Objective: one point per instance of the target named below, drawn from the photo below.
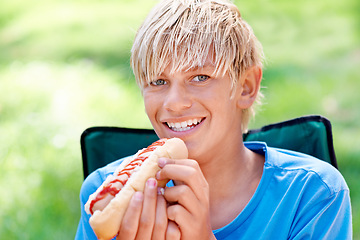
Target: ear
(248, 87)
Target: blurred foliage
(64, 66)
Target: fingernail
(157, 176)
(161, 162)
(151, 182)
(160, 191)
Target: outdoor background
(64, 66)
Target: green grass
(64, 66)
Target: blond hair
(184, 33)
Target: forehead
(206, 67)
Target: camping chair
(308, 134)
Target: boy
(199, 67)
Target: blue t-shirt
(298, 197)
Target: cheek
(151, 104)
(147, 104)
(223, 100)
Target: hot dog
(110, 201)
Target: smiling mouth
(185, 125)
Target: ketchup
(127, 170)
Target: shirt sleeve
(89, 186)
(328, 219)
(91, 183)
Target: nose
(177, 98)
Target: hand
(146, 216)
(189, 200)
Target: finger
(186, 162)
(183, 164)
(187, 223)
(179, 215)
(177, 170)
(130, 223)
(161, 220)
(184, 196)
(173, 231)
(189, 175)
(147, 217)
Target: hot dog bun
(106, 222)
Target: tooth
(189, 122)
(177, 125)
(183, 124)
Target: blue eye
(158, 82)
(200, 78)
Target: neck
(223, 164)
(233, 178)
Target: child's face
(195, 106)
